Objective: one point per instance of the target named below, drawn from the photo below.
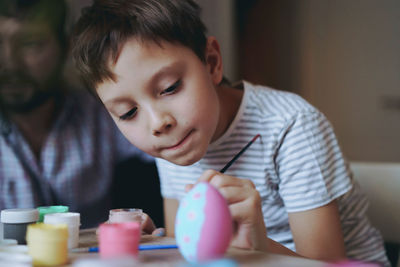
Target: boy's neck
(230, 99)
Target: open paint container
(16, 221)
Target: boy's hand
(245, 206)
(148, 226)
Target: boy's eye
(172, 88)
(130, 114)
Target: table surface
(172, 257)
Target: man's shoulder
(82, 98)
(81, 105)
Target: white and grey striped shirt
(296, 165)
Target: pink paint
(192, 215)
(186, 239)
(119, 239)
(216, 228)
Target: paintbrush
(238, 154)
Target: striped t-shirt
(296, 165)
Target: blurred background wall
(342, 56)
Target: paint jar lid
(42, 231)
(8, 242)
(14, 248)
(19, 215)
(125, 215)
(15, 256)
(69, 218)
(50, 209)
(126, 210)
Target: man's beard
(21, 94)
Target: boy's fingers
(218, 179)
(158, 232)
(148, 225)
(207, 176)
(188, 187)
(221, 180)
(234, 194)
(242, 212)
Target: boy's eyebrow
(119, 99)
(163, 71)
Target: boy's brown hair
(105, 26)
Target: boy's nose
(161, 123)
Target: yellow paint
(48, 244)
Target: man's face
(30, 58)
(164, 100)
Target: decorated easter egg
(203, 226)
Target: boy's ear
(214, 60)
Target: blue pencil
(141, 247)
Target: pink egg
(203, 225)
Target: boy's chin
(183, 161)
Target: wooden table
(172, 257)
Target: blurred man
(57, 146)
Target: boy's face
(30, 58)
(164, 100)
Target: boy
(159, 77)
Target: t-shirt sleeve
(310, 165)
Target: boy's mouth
(182, 142)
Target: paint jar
(50, 209)
(48, 244)
(8, 242)
(119, 239)
(125, 215)
(16, 221)
(72, 220)
(126, 261)
(14, 255)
